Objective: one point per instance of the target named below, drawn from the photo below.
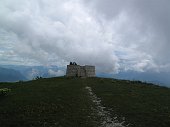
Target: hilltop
(84, 102)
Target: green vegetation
(4, 91)
(142, 105)
(64, 102)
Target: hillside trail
(105, 117)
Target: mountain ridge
(10, 75)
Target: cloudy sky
(113, 35)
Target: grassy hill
(76, 102)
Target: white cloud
(56, 73)
(110, 34)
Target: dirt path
(105, 116)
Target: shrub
(4, 91)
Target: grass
(64, 102)
(4, 91)
(143, 105)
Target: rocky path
(105, 117)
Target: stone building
(74, 70)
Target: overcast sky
(113, 35)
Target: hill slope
(91, 102)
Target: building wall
(73, 70)
(80, 71)
(90, 71)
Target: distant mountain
(31, 72)
(161, 78)
(10, 75)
